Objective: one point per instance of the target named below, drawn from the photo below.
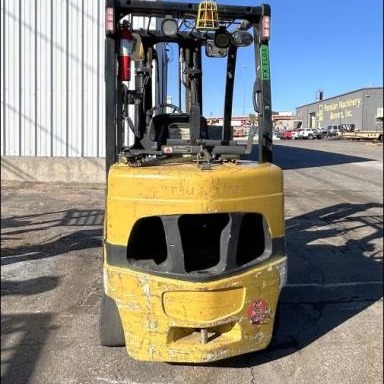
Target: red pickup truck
(287, 135)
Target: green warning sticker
(264, 61)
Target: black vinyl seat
(175, 126)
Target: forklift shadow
(287, 157)
(66, 230)
(16, 225)
(334, 272)
(24, 335)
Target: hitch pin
(204, 335)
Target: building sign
(339, 110)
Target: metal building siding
(27, 79)
(358, 107)
(373, 102)
(43, 77)
(2, 67)
(52, 78)
(10, 102)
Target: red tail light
(265, 28)
(109, 20)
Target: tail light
(265, 28)
(109, 20)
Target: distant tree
(252, 119)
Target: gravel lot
(332, 309)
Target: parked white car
(296, 134)
(307, 133)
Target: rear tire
(111, 333)
(276, 322)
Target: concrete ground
(332, 310)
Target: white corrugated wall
(52, 80)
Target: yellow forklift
(194, 246)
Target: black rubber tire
(111, 333)
(276, 322)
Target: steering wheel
(174, 108)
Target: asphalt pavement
(331, 319)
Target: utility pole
(244, 66)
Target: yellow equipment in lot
(194, 248)
(362, 135)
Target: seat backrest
(174, 126)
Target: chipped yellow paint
(154, 333)
(134, 193)
(162, 317)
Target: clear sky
(332, 45)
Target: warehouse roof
(341, 95)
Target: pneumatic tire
(111, 333)
(276, 322)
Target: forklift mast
(181, 23)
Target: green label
(264, 61)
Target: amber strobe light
(207, 16)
